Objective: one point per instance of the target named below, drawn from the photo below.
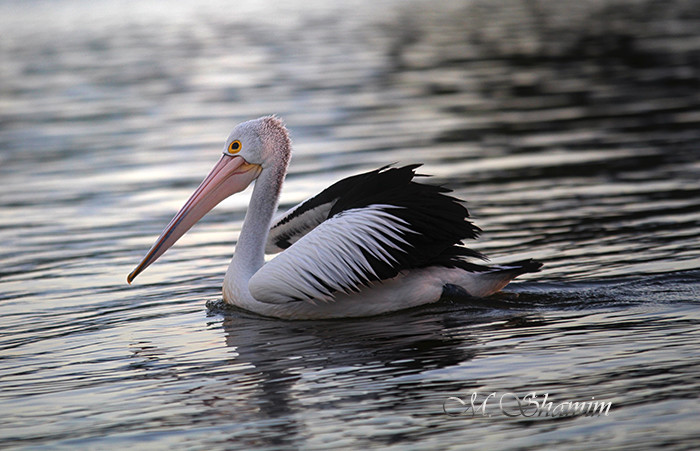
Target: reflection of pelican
(287, 391)
(373, 243)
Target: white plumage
(369, 244)
(332, 258)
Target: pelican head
(251, 147)
(260, 141)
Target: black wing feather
(438, 221)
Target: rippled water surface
(572, 129)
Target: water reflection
(329, 366)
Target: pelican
(372, 243)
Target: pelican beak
(231, 174)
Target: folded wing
(363, 229)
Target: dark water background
(572, 128)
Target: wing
(304, 217)
(298, 221)
(384, 225)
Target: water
(571, 129)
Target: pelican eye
(234, 147)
